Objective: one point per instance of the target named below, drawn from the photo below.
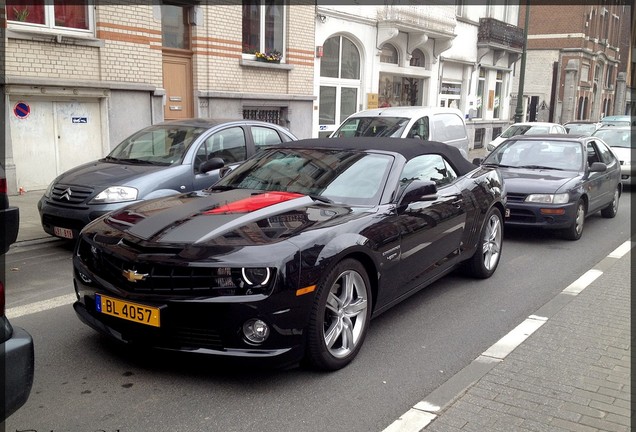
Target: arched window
(389, 54)
(339, 82)
(418, 59)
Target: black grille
(516, 197)
(521, 215)
(70, 195)
(162, 276)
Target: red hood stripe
(255, 202)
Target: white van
(428, 123)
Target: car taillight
(1, 299)
(3, 186)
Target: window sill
(265, 65)
(54, 37)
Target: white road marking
(581, 283)
(40, 306)
(620, 251)
(512, 340)
(411, 421)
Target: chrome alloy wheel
(491, 245)
(579, 220)
(345, 314)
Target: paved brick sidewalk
(572, 374)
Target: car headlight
(47, 192)
(490, 147)
(562, 198)
(115, 194)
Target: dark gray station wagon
(160, 160)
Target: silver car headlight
(47, 192)
(562, 198)
(115, 194)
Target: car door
(430, 230)
(611, 177)
(229, 144)
(596, 182)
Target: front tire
(340, 316)
(575, 231)
(484, 261)
(612, 209)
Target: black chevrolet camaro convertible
(290, 255)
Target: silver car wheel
(345, 313)
(492, 242)
(580, 218)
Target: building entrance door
(177, 61)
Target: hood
(100, 174)
(535, 181)
(231, 218)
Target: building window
(389, 54)
(459, 8)
(417, 59)
(498, 86)
(174, 31)
(479, 137)
(481, 89)
(270, 115)
(450, 95)
(263, 26)
(397, 90)
(585, 73)
(339, 82)
(66, 16)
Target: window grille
(479, 137)
(269, 115)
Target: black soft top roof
(407, 147)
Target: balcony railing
(492, 31)
(440, 19)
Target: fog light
(255, 331)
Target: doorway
(177, 61)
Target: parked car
(580, 127)
(164, 159)
(427, 123)
(527, 128)
(618, 120)
(292, 253)
(16, 344)
(619, 138)
(556, 181)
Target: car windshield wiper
(112, 159)
(142, 162)
(497, 165)
(220, 187)
(539, 167)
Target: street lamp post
(522, 74)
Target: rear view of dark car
(16, 345)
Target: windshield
(157, 145)
(616, 137)
(538, 154)
(524, 130)
(344, 176)
(580, 128)
(372, 127)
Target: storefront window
(397, 90)
(451, 95)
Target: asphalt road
(84, 383)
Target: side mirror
(477, 161)
(598, 167)
(418, 190)
(211, 164)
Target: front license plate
(139, 313)
(63, 232)
(507, 213)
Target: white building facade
(392, 55)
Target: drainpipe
(519, 110)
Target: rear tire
(340, 316)
(612, 209)
(574, 231)
(484, 261)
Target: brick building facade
(583, 38)
(79, 78)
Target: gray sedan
(159, 160)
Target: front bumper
(627, 174)
(206, 325)
(18, 362)
(71, 217)
(531, 215)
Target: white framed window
(72, 17)
(263, 27)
